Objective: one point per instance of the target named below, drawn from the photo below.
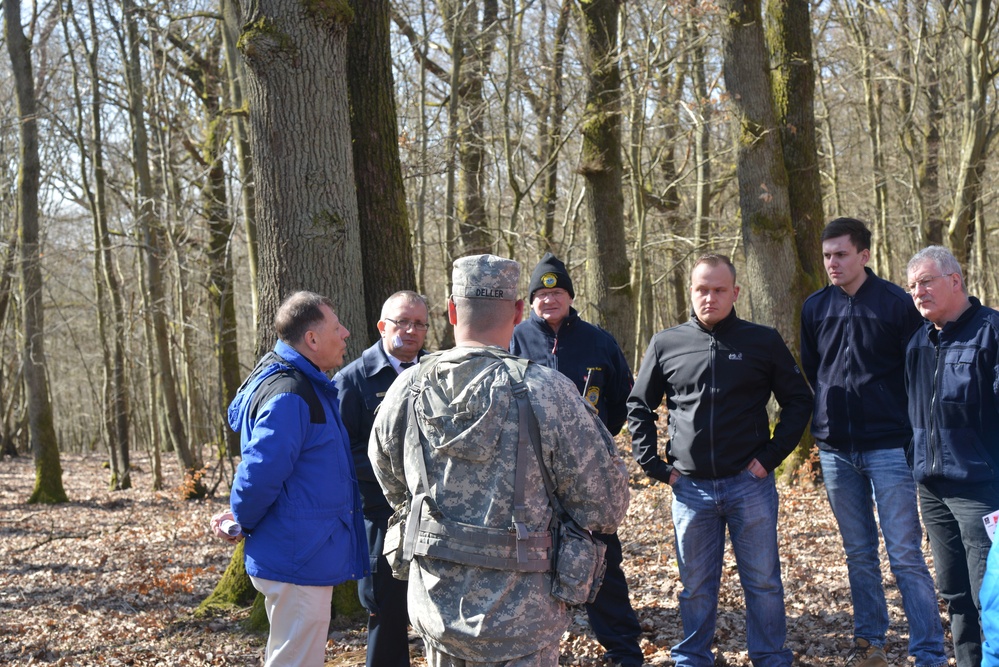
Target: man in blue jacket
(717, 373)
(555, 336)
(362, 384)
(952, 378)
(295, 493)
(853, 338)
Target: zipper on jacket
(931, 432)
(849, 370)
(713, 358)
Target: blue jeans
(851, 478)
(701, 510)
(952, 514)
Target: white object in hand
(231, 528)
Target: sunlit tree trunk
(151, 240)
(473, 40)
(608, 269)
(790, 43)
(977, 74)
(44, 444)
(106, 281)
(295, 57)
(771, 260)
(241, 139)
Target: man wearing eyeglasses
(362, 384)
(951, 379)
(555, 336)
(853, 337)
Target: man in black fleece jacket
(717, 373)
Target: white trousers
(300, 621)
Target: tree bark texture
(771, 261)
(241, 138)
(44, 444)
(296, 63)
(790, 42)
(473, 42)
(977, 76)
(608, 269)
(386, 241)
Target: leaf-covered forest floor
(112, 579)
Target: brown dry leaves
(112, 578)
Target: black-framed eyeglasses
(923, 282)
(405, 325)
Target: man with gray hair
(446, 443)
(953, 386)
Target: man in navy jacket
(362, 384)
(555, 336)
(853, 338)
(952, 378)
(295, 493)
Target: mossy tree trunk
(772, 264)
(295, 59)
(44, 444)
(386, 241)
(608, 269)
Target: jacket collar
(539, 322)
(375, 358)
(727, 323)
(950, 327)
(294, 358)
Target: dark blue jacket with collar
(294, 492)
(853, 354)
(717, 383)
(362, 384)
(584, 353)
(952, 376)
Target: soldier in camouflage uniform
(466, 430)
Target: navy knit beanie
(549, 274)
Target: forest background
(169, 171)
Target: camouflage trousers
(546, 657)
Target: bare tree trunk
(977, 75)
(44, 444)
(789, 25)
(551, 117)
(386, 242)
(771, 261)
(150, 238)
(472, 45)
(608, 270)
(307, 221)
(241, 138)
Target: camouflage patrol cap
(485, 277)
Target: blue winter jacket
(295, 493)
(584, 353)
(989, 598)
(853, 354)
(952, 377)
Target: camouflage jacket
(468, 419)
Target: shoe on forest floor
(863, 654)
